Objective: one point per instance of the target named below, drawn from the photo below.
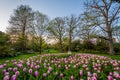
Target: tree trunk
(111, 48)
(110, 40)
(23, 40)
(69, 46)
(61, 48)
(40, 44)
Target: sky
(52, 8)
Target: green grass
(22, 56)
(51, 51)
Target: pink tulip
(24, 69)
(95, 75)
(19, 65)
(9, 69)
(89, 74)
(48, 72)
(72, 77)
(81, 72)
(17, 73)
(6, 73)
(110, 78)
(15, 69)
(13, 77)
(61, 75)
(50, 68)
(44, 74)
(6, 78)
(1, 66)
(30, 71)
(36, 73)
(89, 78)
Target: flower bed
(61, 67)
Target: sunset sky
(52, 8)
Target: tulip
(61, 75)
(89, 74)
(110, 78)
(15, 69)
(88, 78)
(9, 69)
(6, 78)
(30, 71)
(1, 66)
(56, 73)
(36, 73)
(50, 68)
(44, 74)
(95, 75)
(72, 77)
(24, 69)
(20, 65)
(17, 73)
(13, 77)
(6, 73)
(48, 72)
(81, 72)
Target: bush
(117, 47)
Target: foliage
(5, 48)
(40, 28)
(117, 47)
(20, 22)
(106, 14)
(75, 46)
(57, 30)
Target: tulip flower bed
(61, 67)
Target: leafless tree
(57, 29)
(108, 13)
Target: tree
(88, 29)
(72, 22)
(4, 43)
(107, 12)
(40, 27)
(20, 21)
(57, 29)
(116, 1)
(116, 32)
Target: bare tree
(116, 33)
(57, 29)
(116, 1)
(20, 21)
(40, 27)
(88, 28)
(108, 13)
(72, 24)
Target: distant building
(49, 40)
(14, 38)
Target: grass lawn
(23, 56)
